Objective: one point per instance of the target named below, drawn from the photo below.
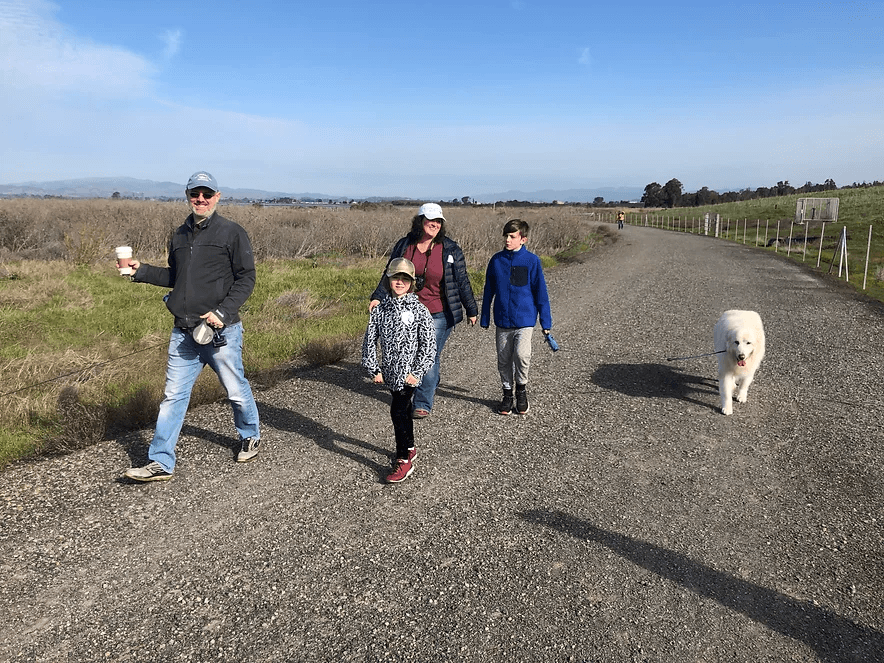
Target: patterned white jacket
(407, 336)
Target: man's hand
(473, 320)
(213, 320)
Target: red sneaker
(402, 469)
(411, 454)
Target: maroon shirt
(430, 266)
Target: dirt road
(622, 519)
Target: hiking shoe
(402, 469)
(420, 413)
(150, 472)
(506, 405)
(249, 450)
(521, 399)
(411, 454)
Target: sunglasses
(205, 194)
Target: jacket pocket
(519, 276)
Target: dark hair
(515, 225)
(417, 229)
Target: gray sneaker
(249, 450)
(150, 472)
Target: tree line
(672, 195)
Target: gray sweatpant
(513, 354)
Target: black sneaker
(521, 399)
(249, 450)
(150, 472)
(506, 405)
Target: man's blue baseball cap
(204, 179)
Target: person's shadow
(461, 394)
(834, 638)
(343, 374)
(324, 437)
(136, 445)
(655, 381)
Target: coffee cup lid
(203, 333)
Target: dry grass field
(83, 351)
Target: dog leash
(708, 354)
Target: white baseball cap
(431, 211)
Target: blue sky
(443, 99)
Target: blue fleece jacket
(514, 281)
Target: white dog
(740, 335)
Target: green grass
(108, 338)
(858, 209)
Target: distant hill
(610, 194)
(129, 187)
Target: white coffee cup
(124, 258)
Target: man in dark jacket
(211, 272)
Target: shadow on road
(459, 393)
(656, 381)
(833, 637)
(325, 438)
(346, 375)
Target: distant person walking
(442, 285)
(621, 217)
(404, 328)
(515, 284)
(211, 272)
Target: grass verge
(84, 350)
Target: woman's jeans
(185, 363)
(426, 392)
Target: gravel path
(622, 519)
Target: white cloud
(585, 57)
(172, 43)
(39, 56)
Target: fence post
(842, 258)
(868, 248)
(789, 248)
(804, 254)
(822, 237)
(776, 245)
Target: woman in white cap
(441, 283)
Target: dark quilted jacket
(458, 293)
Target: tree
(653, 195)
(116, 195)
(784, 189)
(598, 200)
(706, 197)
(672, 193)
(465, 200)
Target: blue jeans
(426, 392)
(185, 363)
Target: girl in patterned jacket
(407, 336)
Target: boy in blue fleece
(514, 282)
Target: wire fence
(843, 249)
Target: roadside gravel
(622, 519)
